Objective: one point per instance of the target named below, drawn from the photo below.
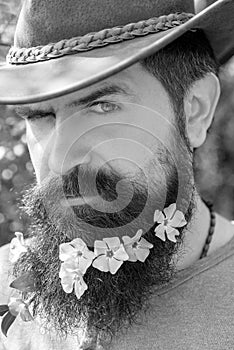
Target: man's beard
(112, 302)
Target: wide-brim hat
(62, 46)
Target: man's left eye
(102, 107)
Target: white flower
(17, 247)
(110, 254)
(19, 307)
(72, 277)
(78, 252)
(169, 219)
(137, 247)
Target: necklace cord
(211, 229)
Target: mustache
(109, 186)
(118, 203)
(102, 193)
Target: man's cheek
(38, 154)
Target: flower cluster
(108, 255)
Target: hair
(179, 65)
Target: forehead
(132, 83)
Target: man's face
(105, 159)
(123, 126)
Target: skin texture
(128, 135)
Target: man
(122, 252)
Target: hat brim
(35, 82)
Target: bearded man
(122, 252)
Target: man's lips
(77, 201)
(97, 203)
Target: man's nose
(67, 149)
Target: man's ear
(199, 105)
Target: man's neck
(196, 234)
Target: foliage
(15, 172)
(9, 10)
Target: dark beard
(112, 302)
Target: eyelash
(94, 104)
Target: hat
(62, 46)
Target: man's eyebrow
(101, 92)
(114, 89)
(26, 111)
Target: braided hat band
(96, 40)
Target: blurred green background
(215, 160)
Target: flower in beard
(72, 277)
(77, 251)
(169, 220)
(76, 259)
(110, 255)
(16, 307)
(19, 307)
(17, 247)
(137, 247)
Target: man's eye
(103, 107)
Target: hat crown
(45, 21)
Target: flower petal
(83, 264)
(113, 243)
(128, 240)
(66, 251)
(78, 244)
(17, 247)
(15, 306)
(171, 235)
(67, 283)
(131, 253)
(25, 314)
(169, 229)
(158, 216)
(142, 254)
(88, 254)
(121, 254)
(114, 265)
(14, 256)
(169, 211)
(20, 237)
(101, 263)
(68, 267)
(100, 248)
(160, 232)
(145, 244)
(80, 287)
(178, 219)
(138, 235)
